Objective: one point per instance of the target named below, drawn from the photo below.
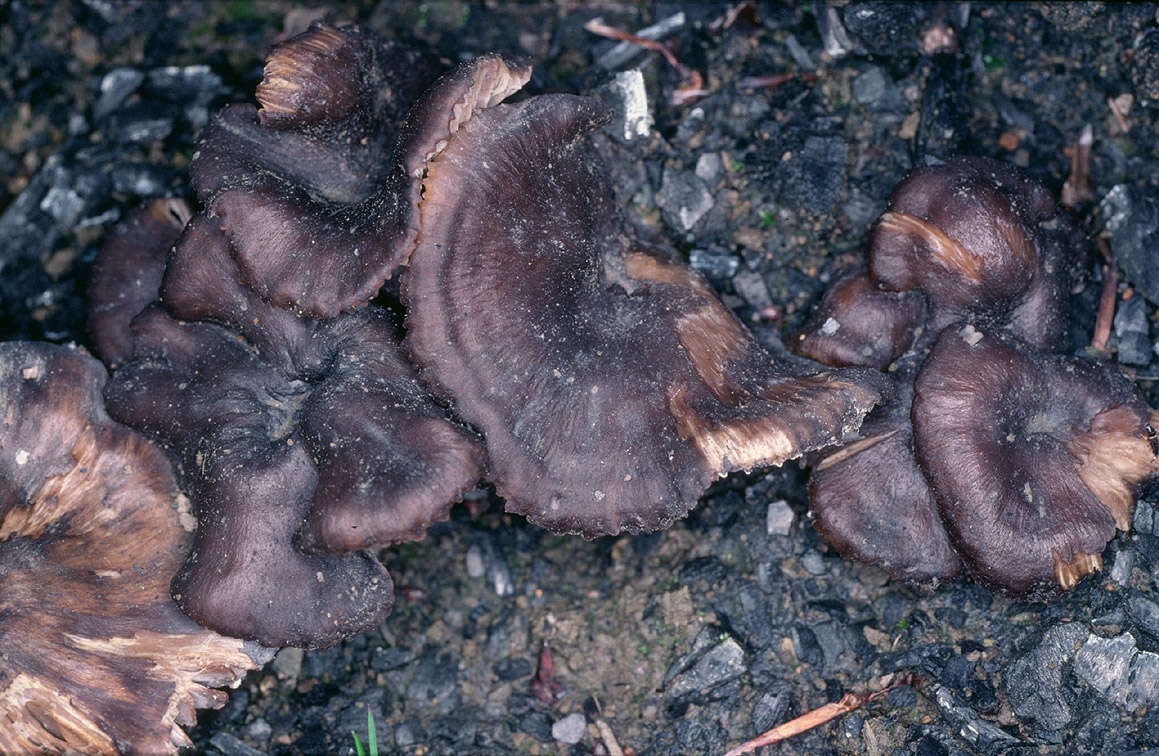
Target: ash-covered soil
(737, 618)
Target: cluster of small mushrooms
(594, 378)
(999, 455)
(548, 347)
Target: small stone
(570, 729)
(436, 680)
(779, 518)
(772, 707)
(184, 83)
(1143, 691)
(806, 647)
(958, 673)
(287, 663)
(813, 563)
(970, 727)
(259, 730)
(1145, 65)
(716, 263)
(834, 38)
(877, 92)
(929, 746)
(683, 198)
(1104, 664)
(1144, 519)
(475, 567)
(141, 180)
(902, 697)
(751, 287)
(626, 94)
(538, 725)
(1145, 614)
(831, 638)
(1132, 332)
(140, 123)
(500, 575)
(709, 166)
(513, 668)
(812, 178)
(1123, 564)
(1034, 682)
(64, 204)
(884, 28)
(116, 86)
(392, 658)
(231, 746)
(1132, 215)
(851, 727)
(404, 735)
(720, 664)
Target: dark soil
(739, 617)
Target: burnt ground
(739, 617)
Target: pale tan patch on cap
(1069, 573)
(190, 661)
(944, 250)
(1114, 455)
(742, 445)
(72, 731)
(710, 335)
(292, 64)
(64, 495)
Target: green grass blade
(357, 744)
(371, 737)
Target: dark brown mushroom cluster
(595, 378)
(1001, 456)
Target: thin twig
(1117, 112)
(1077, 188)
(774, 80)
(609, 738)
(830, 711)
(691, 82)
(1107, 299)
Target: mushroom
(128, 271)
(1013, 463)
(982, 240)
(297, 439)
(1033, 457)
(857, 324)
(96, 656)
(610, 384)
(315, 190)
(870, 501)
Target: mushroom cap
(871, 502)
(1032, 457)
(610, 383)
(229, 421)
(128, 271)
(297, 439)
(968, 233)
(858, 325)
(311, 191)
(97, 658)
(389, 462)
